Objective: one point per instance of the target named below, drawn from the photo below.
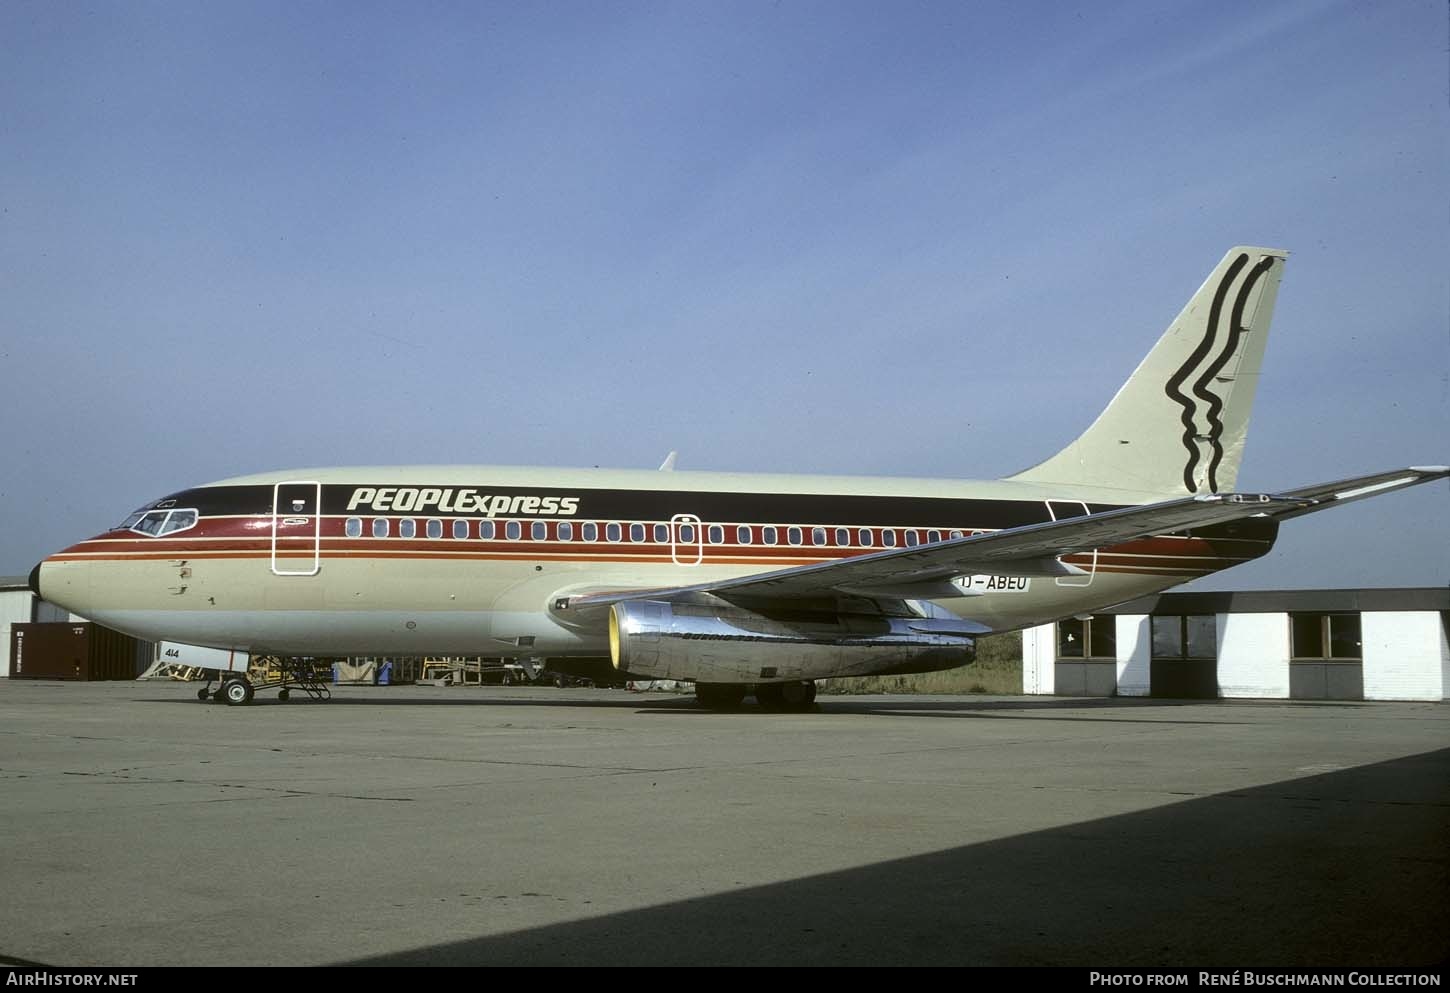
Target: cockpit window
(159, 522)
(151, 523)
(179, 520)
(130, 521)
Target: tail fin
(1178, 424)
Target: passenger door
(297, 528)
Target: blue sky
(887, 239)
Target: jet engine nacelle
(718, 642)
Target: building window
(1094, 638)
(1325, 636)
(353, 528)
(1192, 637)
(460, 529)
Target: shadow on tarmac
(1023, 708)
(1350, 868)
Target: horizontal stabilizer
(1327, 495)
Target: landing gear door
(1061, 510)
(297, 528)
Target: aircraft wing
(926, 571)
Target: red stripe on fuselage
(251, 537)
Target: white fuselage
(471, 560)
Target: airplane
(744, 584)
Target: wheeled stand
(237, 688)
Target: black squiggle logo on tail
(1200, 385)
(1213, 402)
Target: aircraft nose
(35, 580)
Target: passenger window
(591, 531)
(911, 539)
(818, 536)
(662, 534)
(933, 537)
(956, 534)
(435, 528)
(843, 536)
(863, 537)
(407, 528)
(460, 529)
(486, 529)
(888, 538)
(380, 527)
(687, 534)
(767, 535)
(636, 532)
(717, 534)
(794, 534)
(353, 527)
(742, 535)
(612, 531)
(513, 530)
(539, 531)
(566, 531)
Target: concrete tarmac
(415, 825)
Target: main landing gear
(774, 698)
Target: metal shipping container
(79, 650)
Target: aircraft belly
(352, 606)
(321, 633)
